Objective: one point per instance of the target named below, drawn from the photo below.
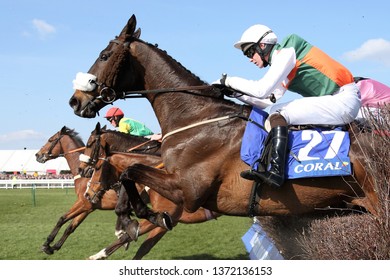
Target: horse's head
(53, 148)
(110, 75)
(94, 164)
(94, 151)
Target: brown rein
(73, 151)
(138, 146)
(109, 95)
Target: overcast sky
(45, 43)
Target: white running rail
(37, 183)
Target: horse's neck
(175, 110)
(72, 157)
(120, 162)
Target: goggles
(250, 52)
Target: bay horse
(111, 165)
(67, 143)
(202, 138)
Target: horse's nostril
(74, 103)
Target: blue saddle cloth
(318, 152)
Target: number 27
(316, 138)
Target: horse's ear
(104, 127)
(63, 129)
(137, 33)
(129, 28)
(97, 128)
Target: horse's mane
(121, 58)
(122, 135)
(74, 135)
(171, 59)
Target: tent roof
(24, 160)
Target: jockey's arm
(282, 64)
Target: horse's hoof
(47, 249)
(166, 220)
(133, 230)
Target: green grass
(24, 228)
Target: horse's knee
(119, 211)
(124, 177)
(366, 204)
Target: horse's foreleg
(123, 240)
(167, 185)
(46, 248)
(71, 228)
(154, 236)
(142, 210)
(109, 250)
(76, 209)
(367, 204)
(200, 216)
(123, 210)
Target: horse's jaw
(41, 158)
(86, 112)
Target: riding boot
(275, 176)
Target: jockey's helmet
(257, 33)
(114, 112)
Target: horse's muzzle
(86, 111)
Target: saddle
(314, 151)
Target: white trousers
(367, 112)
(338, 109)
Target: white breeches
(368, 113)
(340, 108)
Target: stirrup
(274, 180)
(249, 174)
(271, 179)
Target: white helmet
(254, 33)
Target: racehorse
(202, 138)
(111, 165)
(68, 144)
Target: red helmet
(114, 112)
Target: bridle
(93, 162)
(107, 94)
(53, 144)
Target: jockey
(331, 96)
(374, 96)
(126, 125)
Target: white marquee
(24, 161)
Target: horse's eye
(104, 57)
